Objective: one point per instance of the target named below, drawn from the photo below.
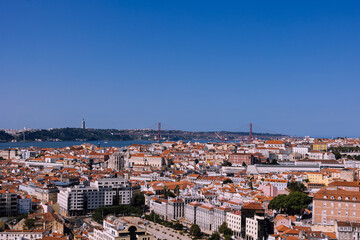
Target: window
(339, 212)
(324, 204)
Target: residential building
(334, 204)
(22, 234)
(8, 203)
(220, 216)
(205, 216)
(347, 230)
(233, 220)
(190, 211)
(24, 204)
(79, 200)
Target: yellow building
(317, 177)
(319, 146)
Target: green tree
(294, 186)
(177, 190)
(226, 163)
(29, 224)
(244, 164)
(178, 226)
(293, 203)
(195, 230)
(139, 200)
(224, 229)
(166, 196)
(274, 162)
(228, 180)
(215, 236)
(227, 237)
(250, 184)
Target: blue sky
(288, 66)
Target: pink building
(269, 190)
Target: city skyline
(291, 67)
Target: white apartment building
(176, 208)
(233, 220)
(79, 200)
(303, 150)
(169, 209)
(220, 216)
(190, 211)
(205, 216)
(253, 227)
(22, 234)
(159, 206)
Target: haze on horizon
(288, 66)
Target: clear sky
(291, 67)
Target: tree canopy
(215, 236)
(293, 203)
(139, 200)
(224, 229)
(29, 224)
(228, 180)
(294, 186)
(195, 230)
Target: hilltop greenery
(340, 152)
(5, 136)
(78, 134)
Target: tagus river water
(4, 145)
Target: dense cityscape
(179, 120)
(303, 188)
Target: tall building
(83, 124)
(8, 203)
(80, 200)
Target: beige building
(333, 204)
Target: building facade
(79, 200)
(330, 205)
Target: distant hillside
(75, 134)
(5, 137)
